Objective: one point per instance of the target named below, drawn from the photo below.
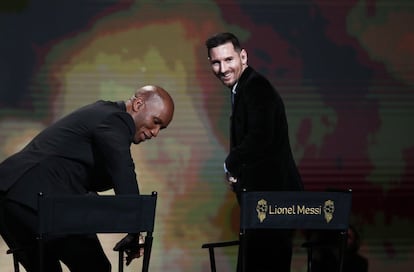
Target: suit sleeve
(112, 141)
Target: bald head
(152, 109)
(153, 91)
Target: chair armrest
(221, 244)
(319, 244)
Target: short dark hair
(222, 38)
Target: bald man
(88, 151)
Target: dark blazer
(86, 151)
(260, 154)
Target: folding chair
(92, 214)
(290, 210)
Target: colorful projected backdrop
(344, 69)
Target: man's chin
(227, 84)
(143, 140)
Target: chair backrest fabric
(96, 214)
(295, 210)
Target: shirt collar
(233, 90)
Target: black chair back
(296, 210)
(290, 210)
(79, 214)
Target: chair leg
(212, 259)
(310, 258)
(15, 264)
(344, 237)
(41, 253)
(15, 261)
(147, 253)
(121, 261)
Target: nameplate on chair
(296, 210)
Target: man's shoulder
(252, 77)
(256, 83)
(105, 104)
(94, 113)
(101, 106)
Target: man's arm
(113, 139)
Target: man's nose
(223, 67)
(155, 131)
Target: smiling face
(151, 113)
(227, 63)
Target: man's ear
(243, 56)
(137, 103)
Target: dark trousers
(266, 251)
(80, 253)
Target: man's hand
(230, 180)
(132, 245)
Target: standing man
(87, 151)
(260, 157)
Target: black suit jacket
(260, 153)
(86, 151)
